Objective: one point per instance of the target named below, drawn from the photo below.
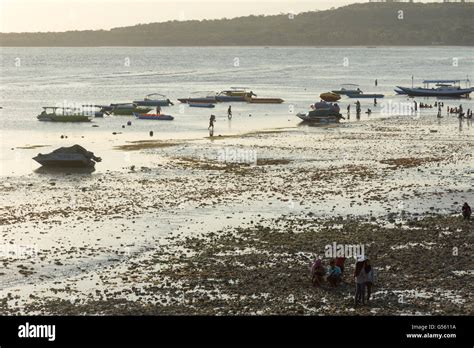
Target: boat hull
(265, 100)
(363, 95)
(159, 102)
(154, 117)
(198, 100)
(230, 98)
(426, 92)
(129, 111)
(346, 91)
(64, 118)
(201, 105)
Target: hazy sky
(61, 15)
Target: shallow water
(34, 77)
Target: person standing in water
(229, 112)
(212, 119)
(158, 110)
(376, 83)
(375, 101)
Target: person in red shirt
(340, 263)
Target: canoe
(127, 111)
(364, 95)
(264, 100)
(63, 118)
(201, 105)
(157, 117)
(330, 96)
(207, 100)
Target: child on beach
(334, 274)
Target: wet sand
(181, 228)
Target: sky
(62, 15)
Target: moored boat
(264, 100)
(201, 105)
(128, 109)
(348, 88)
(208, 97)
(323, 112)
(235, 94)
(366, 95)
(50, 114)
(444, 88)
(154, 99)
(159, 117)
(73, 156)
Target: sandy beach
(230, 224)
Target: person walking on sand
(369, 271)
(466, 211)
(360, 280)
(229, 112)
(212, 119)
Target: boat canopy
(240, 88)
(149, 96)
(350, 84)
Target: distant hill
(372, 24)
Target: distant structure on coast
(446, 1)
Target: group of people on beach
(364, 276)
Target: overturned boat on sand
(73, 156)
(322, 112)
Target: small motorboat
(348, 88)
(197, 97)
(74, 156)
(52, 114)
(235, 94)
(128, 109)
(159, 117)
(264, 100)
(201, 105)
(330, 96)
(154, 99)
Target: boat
(154, 99)
(399, 91)
(50, 113)
(323, 112)
(366, 95)
(235, 94)
(263, 100)
(201, 105)
(73, 156)
(159, 117)
(348, 88)
(128, 109)
(330, 96)
(209, 98)
(444, 88)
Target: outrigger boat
(50, 114)
(210, 98)
(160, 117)
(128, 109)
(445, 88)
(235, 94)
(154, 99)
